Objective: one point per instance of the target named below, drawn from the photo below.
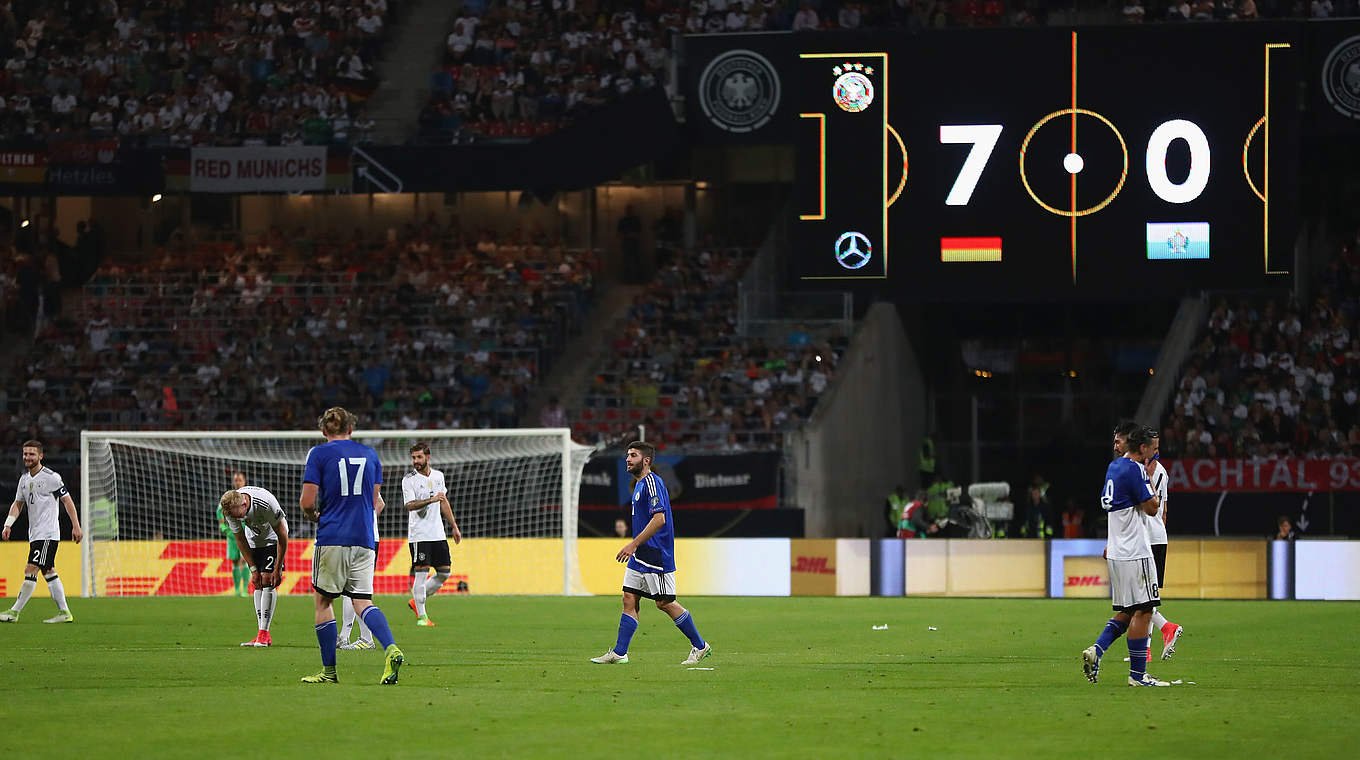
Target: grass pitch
(804, 678)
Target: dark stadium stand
(1274, 378)
(446, 332)
(179, 73)
(676, 365)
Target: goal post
(149, 501)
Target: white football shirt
(261, 518)
(1156, 525)
(426, 523)
(40, 494)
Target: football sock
(1113, 630)
(686, 625)
(325, 636)
(365, 634)
(1158, 620)
(628, 625)
(347, 616)
(25, 591)
(57, 590)
(1138, 658)
(377, 623)
(418, 591)
(434, 582)
(268, 599)
(259, 616)
(240, 575)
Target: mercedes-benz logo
(853, 250)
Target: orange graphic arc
(902, 182)
(1246, 145)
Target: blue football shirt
(657, 555)
(345, 473)
(1126, 487)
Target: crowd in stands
(1272, 378)
(677, 365)
(1136, 12)
(178, 73)
(424, 327)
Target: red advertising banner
(1297, 475)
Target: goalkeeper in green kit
(240, 571)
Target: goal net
(149, 507)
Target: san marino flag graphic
(1178, 240)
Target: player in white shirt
(260, 530)
(423, 488)
(40, 489)
(1156, 528)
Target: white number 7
(983, 137)
(359, 462)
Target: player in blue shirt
(347, 477)
(651, 560)
(1128, 498)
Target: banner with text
(1269, 475)
(294, 168)
(733, 481)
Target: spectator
(1284, 529)
(806, 18)
(553, 415)
(1073, 519)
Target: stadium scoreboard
(1093, 163)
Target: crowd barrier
(1060, 568)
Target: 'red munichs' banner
(1297, 475)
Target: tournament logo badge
(739, 91)
(1341, 77)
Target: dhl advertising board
(965, 567)
(1195, 569)
(829, 567)
(14, 556)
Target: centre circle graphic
(1073, 162)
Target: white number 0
(359, 462)
(1107, 498)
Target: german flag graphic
(955, 249)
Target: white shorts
(346, 570)
(1133, 584)
(659, 586)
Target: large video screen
(1102, 163)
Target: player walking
(1129, 499)
(347, 477)
(651, 560)
(1156, 526)
(40, 489)
(259, 530)
(422, 488)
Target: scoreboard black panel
(1109, 164)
